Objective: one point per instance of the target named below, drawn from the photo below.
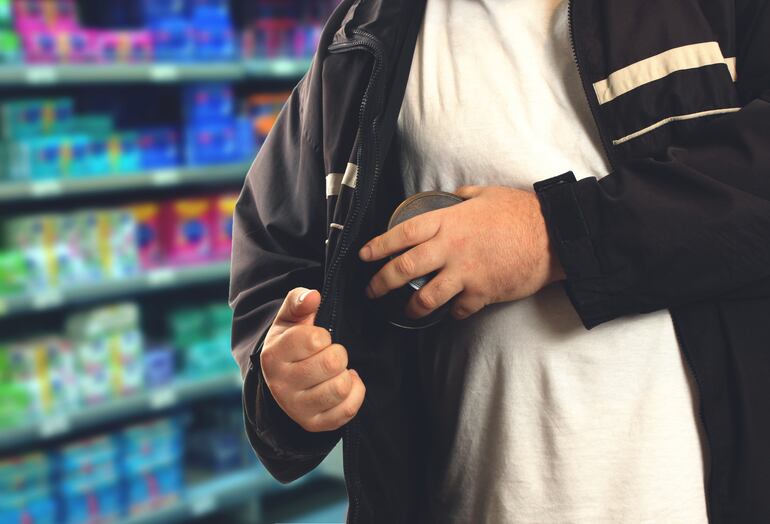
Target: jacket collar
(385, 20)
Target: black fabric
(682, 222)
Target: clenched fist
(305, 372)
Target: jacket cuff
(569, 232)
(268, 423)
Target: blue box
(173, 40)
(159, 148)
(215, 43)
(208, 103)
(213, 144)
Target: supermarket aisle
(126, 129)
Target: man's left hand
(493, 247)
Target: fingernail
(303, 296)
(365, 253)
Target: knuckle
(409, 231)
(349, 411)
(343, 355)
(312, 424)
(342, 387)
(329, 362)
(404, 265)
(425, 299)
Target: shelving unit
(164, 73)
(159, 178)
(157, 279)
(62, 424)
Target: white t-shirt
(537, 419)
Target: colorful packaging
(149, 234)
(41, 14)
(47, 46)
(173, 40)
(10, 47)
(36, 237)
(159, 148)
(124, 153)
(121, 230)
(124, 46)
(109, 346)
(32, 118)
(215, 43)
(208, 103)
(6, 15)
(263, 110)
(47, 367)
(187, 232)
(159, 366)
(223, 208)
(209, 144)
(13, 272)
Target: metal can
(396, 301)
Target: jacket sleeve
(278, 244)
(691, 225)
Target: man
(636, 389)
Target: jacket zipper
(610, 157)
(369, 43)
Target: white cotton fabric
(536, 419)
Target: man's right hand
(305, 372)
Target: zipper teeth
(366, 41)
(591, 104)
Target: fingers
(415, 263)
(440, 290)
(466, 192)
(343, 412)
(319, 368)
(405, 235)
(299, 306)
(467, 305)
(300, 342)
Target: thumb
(466, 192)
(299, 307)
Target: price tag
(164, 73)
(166, 177)
(163, 398)
(41, 75)
(49, 187)
(200, 506)
(161, 277)
(54, 425)
(47, 299)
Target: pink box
(124, 46)
(222, 210)
(67, 47)
(187, 230)
(35, 15)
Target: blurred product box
(46, 367)
(223, 209)
(6, 14)
(109, 346)
(186, 230)
(37, 239)
(173, 40)
(159, 148)
(200, 334)
(125, 46)
(151, 464)
(41, 14)
(159, 366)
(13, 272)
(263, 109)
(10, 47)
(35, 117)
(149, 234)
(208, 103)
(47, 46)
(88, 481)
(26, 494)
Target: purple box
(159, 366)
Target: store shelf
(155, 400)
(173, 177)
(157, 279)
(42, 75)
(216, 495)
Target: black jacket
(680, 92)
